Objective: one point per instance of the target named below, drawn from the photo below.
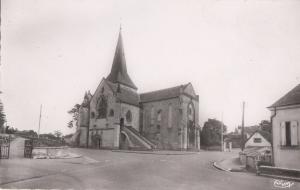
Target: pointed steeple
(118, 73)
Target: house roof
(118, 73)
(250, 129)
(124, 94)
(291, 98)
(162, 94)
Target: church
(116, 116)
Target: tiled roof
(161, 94)
(291, 98)
(124, 94)
(118, 73)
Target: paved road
(117, 170)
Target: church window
(102, 107)
(159, 115)
(170, 116)
(152, 115)
(111, 113)
(93, 115)
(190, 112)
(128, 116)
(102, 90)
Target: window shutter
(294, 133)
(282, 132)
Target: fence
(4, 147)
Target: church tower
(118, 73)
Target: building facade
(116, 116)
(285, 118)
(257, 140)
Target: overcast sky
(54, 50)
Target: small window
(257, 140)
(95, 126)
(102, 90)
(128, 116)
(93, 115)
(111, 113)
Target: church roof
(118, 73)
(291, 98)
(162, 94)
(125, 95)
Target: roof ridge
(178, 86)
(289, 98)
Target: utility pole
(222, 145)
(40, 121)
(243, 115)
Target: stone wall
(165, 136)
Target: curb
(220, 168)
(153, 152)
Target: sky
(52, 51)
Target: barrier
(277, 172)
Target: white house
(257, 140)
(285, 118)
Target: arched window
(102, 107)
(128, 116)
(170, 116)
(152, 115)
(111, 113)
(159, 115)
(190, 112)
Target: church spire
(118, 73)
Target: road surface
(100, 169)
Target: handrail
(140, 136)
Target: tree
(211, 132)
(10, 130)
(57, 134)
(2, 117)
(265, 125)
(74, 112)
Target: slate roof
(161, 94)
(124, 94)
(118, 73)
(291, 98)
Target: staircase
(140, 140)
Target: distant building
(258, 139)
(248, 130)
(285, 114)
(116, 116)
